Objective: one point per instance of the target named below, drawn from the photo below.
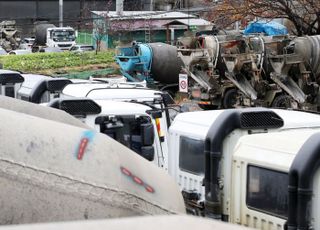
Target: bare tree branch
(303, 14)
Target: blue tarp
(269, 28)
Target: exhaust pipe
(300, 191)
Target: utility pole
(151, 5)
(37, 10)
(61, 13)
(119, 7)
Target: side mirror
(147, 134)
(147, 152)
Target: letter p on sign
(183, 83)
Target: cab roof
(109, 91)
(118, 107)
(276, 149)
(5, 71)
(291, 118)
(32, 79)
(200, 121)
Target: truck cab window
(125, 129)
(60, 35)
(267, 191)
(191, 155)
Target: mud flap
(243, 84)
(288, 85)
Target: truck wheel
(282, 101)
(230, 99)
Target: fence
(85, 38)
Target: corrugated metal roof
(138, 24)
(157, 15)
(190, 22)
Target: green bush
(43, 61)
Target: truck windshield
(63, 35)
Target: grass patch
(57, 62)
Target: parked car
(19, 52)
(50, 50)
(81, 48)
(2, 51)
(27, 43)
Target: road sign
(183, 83)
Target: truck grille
(64, 45)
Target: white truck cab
(119, 91)
(38, 88)
(10, 82)
(262, 167)
(246, 166)
(130, 113)
(138, 126)
(61, 37)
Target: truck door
(189, 171)
(135, 132)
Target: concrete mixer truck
(177, 222)
(294, 65)
(48, 35)
(9, 35)
(155, 63)
(55, 168)
(253, 70)
(226, 71)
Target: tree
(99, 31)
(98, 25)
(304, 15)
(108, 28)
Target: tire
(282, 101)
(230, 99)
